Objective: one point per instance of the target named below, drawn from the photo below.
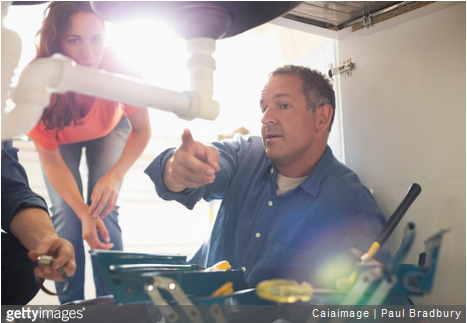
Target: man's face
(288, 127)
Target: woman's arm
(63, 181)
(106, 190)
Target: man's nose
(268, 117)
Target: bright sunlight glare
(153, 49)
(150, 45)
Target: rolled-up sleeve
(16, 193)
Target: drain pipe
(201, 66)
(60, 74)
(11, 53)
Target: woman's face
(83, 40)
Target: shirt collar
(312, 183)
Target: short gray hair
(317, 88)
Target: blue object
(290, 236)
(119, 287)
(130, 281)
(126, 274)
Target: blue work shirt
(16, 193)
(305, 234)
(18, 282)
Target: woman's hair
(57, 17)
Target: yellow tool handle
(371, 252)
(373, 249)
(284, 291)
(220, 266)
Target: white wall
(404, 122)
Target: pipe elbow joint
(39, 79)
(32, 94)
(201, 106)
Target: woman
(111, 135)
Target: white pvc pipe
(11, 53)
(202, 66)
(60, 74)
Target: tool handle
(395, 218)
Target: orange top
(98, 122)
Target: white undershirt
(286, 184)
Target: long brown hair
(62, 109)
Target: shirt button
(244, 269)
(270, 203)
(272, 170)
(258, 235)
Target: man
(290, 209)
(29, 233)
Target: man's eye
(73, 40)
(284, 106)
(263, 110)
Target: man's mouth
(271, 136)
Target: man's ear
(323, 117)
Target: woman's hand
(104, 195)
(105, 192)
(90, 227)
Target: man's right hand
(193, 164)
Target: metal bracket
(366, 20)
(170, 285)
(346, 68)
